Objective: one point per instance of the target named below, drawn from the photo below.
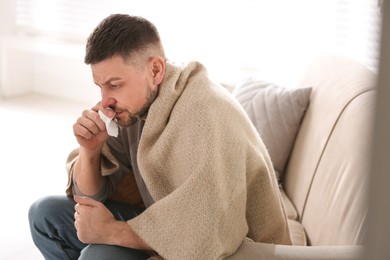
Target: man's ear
(158, 69)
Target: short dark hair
(124, 35)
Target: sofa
(325, 176)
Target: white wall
(7, 14)
(46, 67)
(33, 65)
(30, 64)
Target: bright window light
(232, 38)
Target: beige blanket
(208, 172)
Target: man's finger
(86, 201)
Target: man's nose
(107, 101)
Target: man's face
(127, 90)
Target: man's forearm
(86, 172)
(123, 235)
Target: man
(187, 177)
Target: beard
(131, 118)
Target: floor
(35, 138)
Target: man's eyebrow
(108, 81)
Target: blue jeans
(52, 228)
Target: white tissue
(111, 126)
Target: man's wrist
(90, 155)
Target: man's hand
(90, 130)
(93, 220)
(95, 224)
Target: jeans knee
(35, 211)
(47, 209)
(39, 208)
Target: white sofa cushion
(276, 112)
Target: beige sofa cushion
(288, 206)
(337, 198)
(297, 233)
(326, 176)
(336, 81)
(276, 112)
(260, 251)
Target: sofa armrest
(259, 251)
